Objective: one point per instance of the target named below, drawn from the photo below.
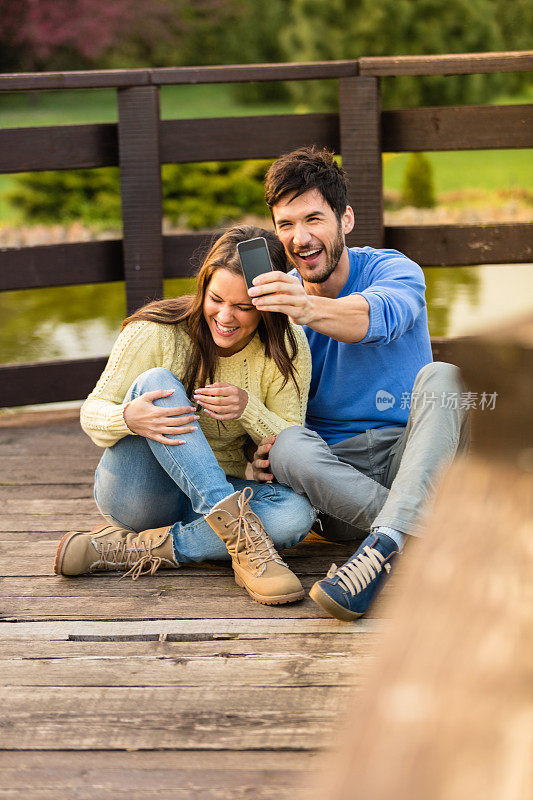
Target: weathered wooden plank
(145, 775)
(463, 245)
(140, 181)
(224, 601)
(191, 791)
(18, 470)
(61, 264)
(58, 147)
(21, 561)
(154, 717)
(183, 629)
(46, 507)
(179, 670)
(13, 523)
(457, 128)
(359, 122)
(317, 645)
(235, 138)
(29, 419)
(452, 64)
(170, 594)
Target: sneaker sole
(319, 596)
(265, 600)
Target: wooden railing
(141, 142)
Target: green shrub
(90, 195)
(213, 193)
(194, 195)
(418, 189)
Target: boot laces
(138, 561)
(251, 533)
(354, 576)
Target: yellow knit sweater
(143, 345)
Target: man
(382, 419)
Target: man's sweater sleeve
(395, 294)
(135, 351)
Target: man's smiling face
(311, 233)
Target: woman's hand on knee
(144, 418)
(222, 401)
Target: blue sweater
(362, 385)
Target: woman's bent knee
(157, 378)
(296, 518)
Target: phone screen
(255, 258)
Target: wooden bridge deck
(177, 685)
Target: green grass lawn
(19, 110)
(485, 171)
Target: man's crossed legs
(377, 484)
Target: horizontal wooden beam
(312, 70)
(457, 128)
(48, 382)
(182, 141)
(61, 381)
(101, 261)
(234, 138)
(451, 64)
(463, 245)
(183, 252)
(61, 265)
(458, 63)
(58, 147)
(75, 79)
(94, 79)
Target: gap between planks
(152, 630)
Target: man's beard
(332, 259)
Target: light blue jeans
(141, 483)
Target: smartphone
(255, 258)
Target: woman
(171, 482)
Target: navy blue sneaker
(346, 592)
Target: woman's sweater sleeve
(137, 349)
(284, 406)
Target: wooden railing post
(360, 140)
(140, 182)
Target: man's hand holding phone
(277, 291)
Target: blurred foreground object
(447, 713)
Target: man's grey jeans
(385, 476)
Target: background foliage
(194, 195)
(71, 34)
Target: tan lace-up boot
(256, 564)
(111, 548)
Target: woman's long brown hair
(274, 330)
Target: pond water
(79, 321)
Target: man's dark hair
(304, 169)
